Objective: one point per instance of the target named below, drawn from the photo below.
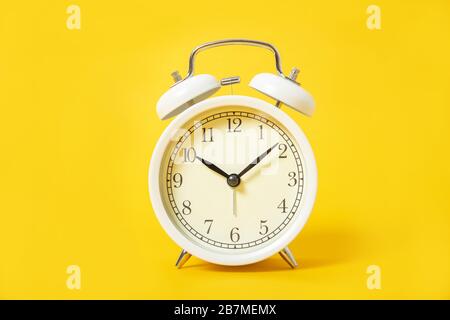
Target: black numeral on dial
(263, 228)
(282, 206)
(283, 148)
(234, 124)
(234, 235)
(207, 134)
(209, 224)
(186, 207)
(293, 179)
(177, 180)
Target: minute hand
(257, 160)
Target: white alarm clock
(233, 178)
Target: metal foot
(287, 256)
(183, 258)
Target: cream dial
(232, 179)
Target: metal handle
(228, 42)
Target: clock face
(232, 179)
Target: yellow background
(78, 125)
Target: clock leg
(183, 258)
(287, 255)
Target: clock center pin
(233, 180)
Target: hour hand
(213, 167)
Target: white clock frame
(292, 229)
